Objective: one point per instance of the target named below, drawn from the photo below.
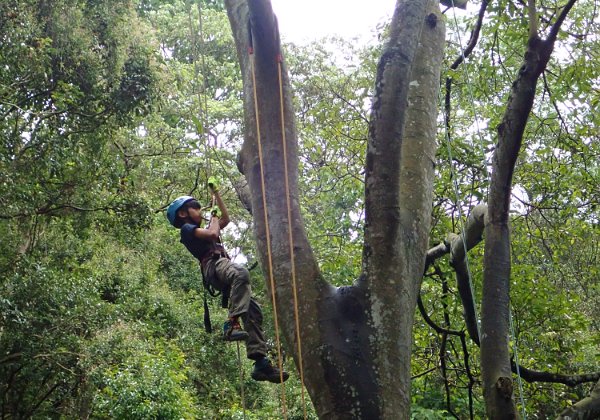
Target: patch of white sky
(309, 20)
(304, 21)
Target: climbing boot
(232, 331)
(265, 371)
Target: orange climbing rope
(267, 230)
(279, 60)
(290, 234)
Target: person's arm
(224, 219)
(213, 185)
(212, 232)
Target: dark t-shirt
(197, 247)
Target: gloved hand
(213, 184)
(216, 212)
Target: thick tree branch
(269, 121)
(559, 21)
(10, 358)
(461, 4)
(398, 185)
(386, 135)
(569, 380)
(243, 192)
(533, 23)
(436, 252)
(471, 236)
(51, 210)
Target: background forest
(112, 108)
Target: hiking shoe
(265, 371)
(232, 331)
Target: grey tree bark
(457, 246)
(355, 341)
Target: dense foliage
(110, 109)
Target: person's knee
(242, 274)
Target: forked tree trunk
(355, 341)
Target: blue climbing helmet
(175, 206)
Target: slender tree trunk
(495, 357)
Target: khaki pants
(224, 274)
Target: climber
(220, 273)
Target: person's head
(184, 209)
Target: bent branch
(458, 246)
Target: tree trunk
(256, 18)
(495, 307)
(355, 341)
(398, 189)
